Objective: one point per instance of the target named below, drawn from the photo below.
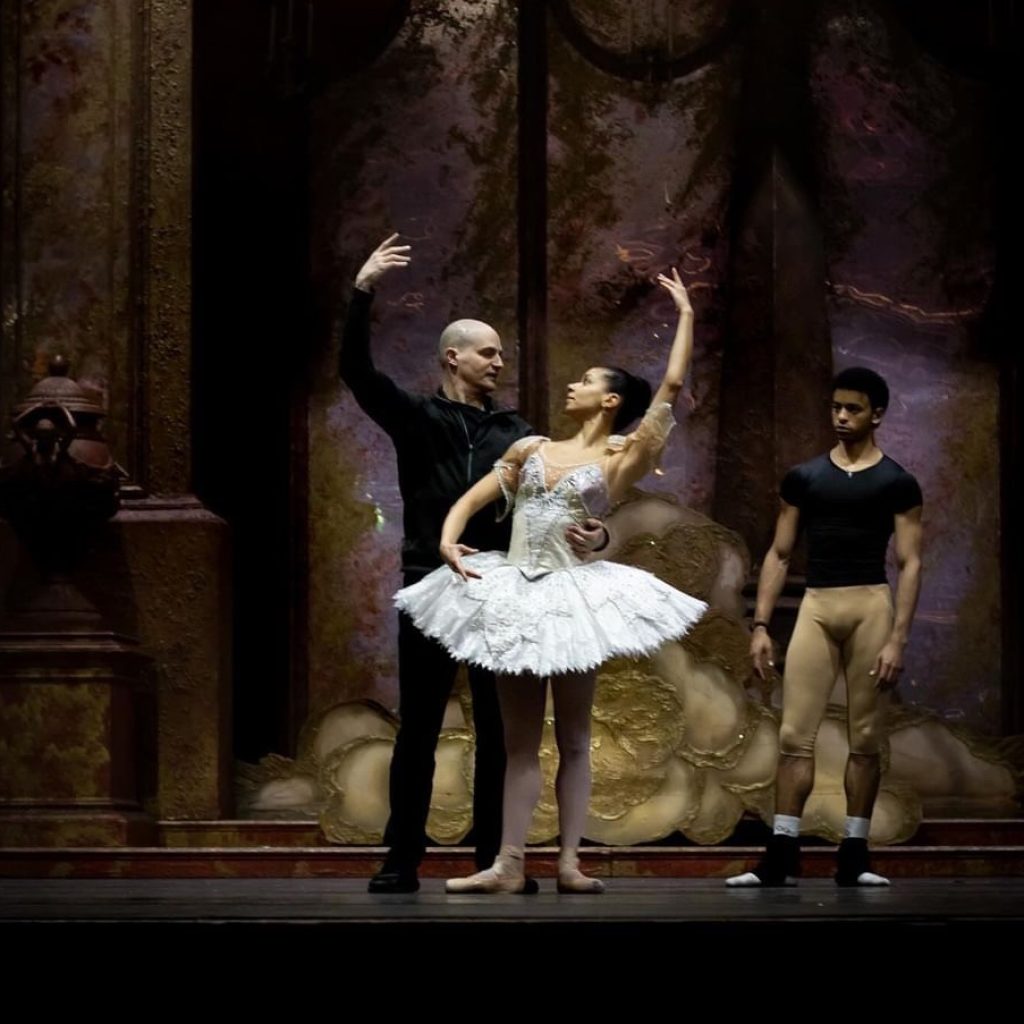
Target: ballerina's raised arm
(640, 452)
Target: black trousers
(426, 675)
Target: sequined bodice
(549, 500)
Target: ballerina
(539, 613)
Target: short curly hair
(867, 382)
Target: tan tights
(837, 627)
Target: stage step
(294, 849)
(749, 832)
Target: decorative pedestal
(76, 740)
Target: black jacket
(443, 447)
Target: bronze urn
(58, 484)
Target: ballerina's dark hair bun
(635, 393)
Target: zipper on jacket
(465, 430)
(469, 454)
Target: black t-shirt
(848, 517)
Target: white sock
(857, 828)
(786, 825)
(782, 825)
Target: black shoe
(853, 865)
(778, 867)
(394, 880)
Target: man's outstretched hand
(382, 259)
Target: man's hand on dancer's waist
(762, 652)
(452, 554)
(382, 259)
(586, 537)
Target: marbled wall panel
(422, 142)
(638, 182)
(67, 190)
(908, 157)
(639, 177)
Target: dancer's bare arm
(481, 494)
(770, 584)
(682, 344)
(889, 663)
(625, 468)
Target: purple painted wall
(422, 142)
(638, 182)
(911, 259)
(641, 176)
(66, 161)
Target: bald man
(444, 442)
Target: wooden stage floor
(939, 936)
(345, 902)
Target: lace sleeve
(650, 436)
(509, 466)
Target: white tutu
(568, 620)
(538, 609)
